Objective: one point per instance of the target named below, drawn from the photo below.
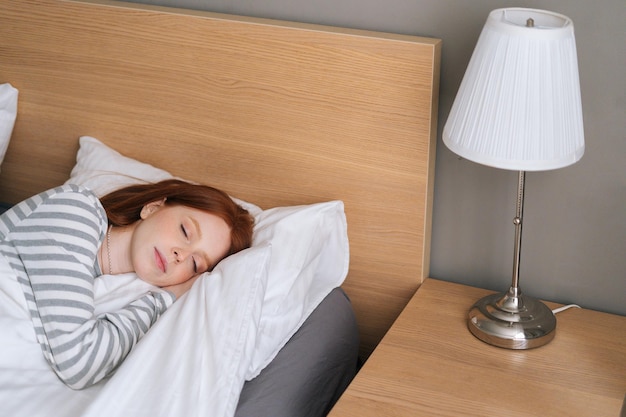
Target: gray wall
(574, 235)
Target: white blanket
(186, 365)
(196, 358)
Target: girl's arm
(52, 240)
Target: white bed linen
(310, 249)
(186, 365)
(189, 363)
(8, 113)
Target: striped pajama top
(51, 241)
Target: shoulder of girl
(76, 195)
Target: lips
(160, 260)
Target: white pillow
(310, 257)
(8, 113)
(200, 349)
(103, 169)
(310, 251)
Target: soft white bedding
(192, 362)
(310, 253)
(8, 113)
(224, 331)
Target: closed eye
(182, 228)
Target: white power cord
(558, 310)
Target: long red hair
(123, 206)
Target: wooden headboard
(273, 112)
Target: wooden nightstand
(429, 364)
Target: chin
(148, 280)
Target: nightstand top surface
(429, 364)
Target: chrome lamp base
(512, 320)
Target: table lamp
(518, 108)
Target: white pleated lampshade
(518, 106)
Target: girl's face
(173, 243)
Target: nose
(179, 255)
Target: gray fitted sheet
(312, 370)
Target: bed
(297, 121)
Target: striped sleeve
(51, 240)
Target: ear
(152, 207)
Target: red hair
(123, 206)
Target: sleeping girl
(58, 242)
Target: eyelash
(195, 265)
